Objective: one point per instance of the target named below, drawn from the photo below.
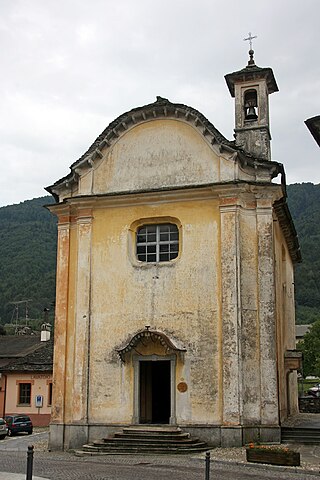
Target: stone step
(304, 441)
(143, 442)
(134, 451)
(89, 449)
(146, 439)
(154, 430)
(151, 435)
(142, 446)
(307, 432)
(300, 435)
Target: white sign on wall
(39, 401)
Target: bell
(251, 113)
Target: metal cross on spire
(250, 38)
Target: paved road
(65, 466)
(19, 443)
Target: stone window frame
(19, 383)
(132, 240)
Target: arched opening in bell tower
(250, 104)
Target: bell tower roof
(251, 73)
(251, 88)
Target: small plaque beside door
(182, 387)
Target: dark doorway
(155, 382)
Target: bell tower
(251, 88)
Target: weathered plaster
(159, 152)
(222, 300)
(60, 358)
(178, 303)
(266, 282)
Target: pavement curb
(264, 466)
(18, 476)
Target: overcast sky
(69, 67)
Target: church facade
(175, 288)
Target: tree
(310, 347)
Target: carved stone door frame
(136, 395)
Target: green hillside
(27, 258)
(304, 202)
(28, 255)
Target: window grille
(24, 393)
(157, 243)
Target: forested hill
(304, 203)
(27, 258)
(28, 254)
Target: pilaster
(231, 373)
(249, 334)
(82, 316)
(61, 313)
(267, 313)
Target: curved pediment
(149, 336)
(158, 146)
(157, 140)
(160, 152)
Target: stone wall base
(69, 437)
(234, 436)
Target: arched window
(157, 243)
(251, 104)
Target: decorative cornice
(169, 194)
(252, 73)
(287, 226)
(227, 192)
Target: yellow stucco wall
(285, 308)
(220, 300)
(178, 297)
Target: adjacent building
(313, 125)
(26, 377)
